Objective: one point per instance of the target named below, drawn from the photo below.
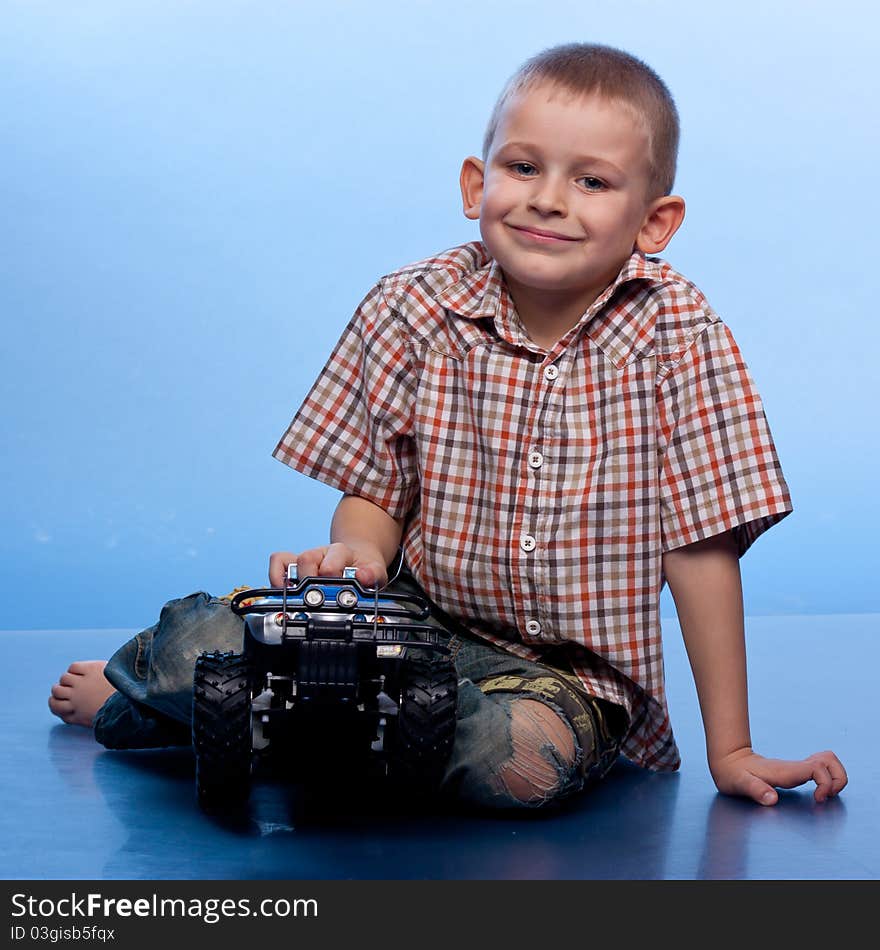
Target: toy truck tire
(221, 728)
(426, 722)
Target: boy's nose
(548, 196)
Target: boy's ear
(662, 219)
(471, 181)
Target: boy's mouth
(540, 234)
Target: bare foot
(80, 692)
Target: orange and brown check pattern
(542, 488)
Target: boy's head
(578, 162)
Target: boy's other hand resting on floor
(746, 773)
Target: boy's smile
(563, 199)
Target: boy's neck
(548, 315)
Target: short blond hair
(591, 69)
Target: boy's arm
(362, 535)
(705, 583)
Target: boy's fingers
(759, 790)
(327, 561)
(760, 777)
(336, 558)
(371, 574)
(822, 778)
(824, 769)
(309, 562)
(838, 776)
(278, 567)
(735, 779)
(828, 773)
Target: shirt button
(527, 542)
(551, 372)
(536, 460)
(533, 628)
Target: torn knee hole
(543, 752)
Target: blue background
(196, 195)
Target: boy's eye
(592, 184)
(523, 168)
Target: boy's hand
(746, 773)
(330, 561)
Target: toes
(79, 692)
(62, 708)
(81, 667)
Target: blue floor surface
(74, 811)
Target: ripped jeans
(527, 734)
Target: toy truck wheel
(426, 722)
(221, 728)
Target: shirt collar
(482, 294)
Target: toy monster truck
(325, 664)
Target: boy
(549, 423)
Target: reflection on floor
(72, 810)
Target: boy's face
(564, 195)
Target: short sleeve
(719, 468)
(354, 428)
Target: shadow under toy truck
(328, 669)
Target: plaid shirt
(541, 488)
